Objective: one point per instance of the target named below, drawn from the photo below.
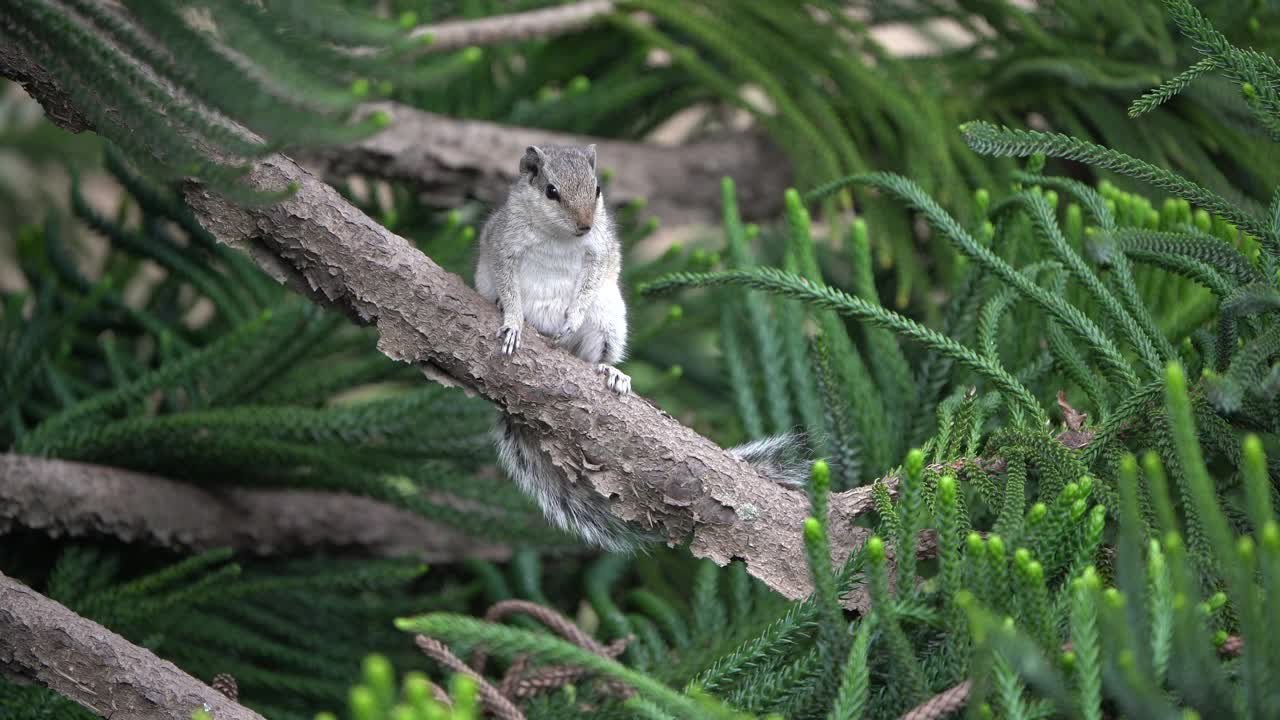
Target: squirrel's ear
(531, 162)
(591, 155)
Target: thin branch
(79, 659)
(647, 468)
(451, 160)
(67, 498)
(456, 34)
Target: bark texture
(451, 160)
(68, 498)
(79, 659)
(643, 465)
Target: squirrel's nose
(583, 228)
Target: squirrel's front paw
(510, 335)
(617, 380)
(572, 321)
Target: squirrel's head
(560, 185)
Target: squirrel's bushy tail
(567, 504)
(785, 459)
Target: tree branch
(69, 498)
(457, 34)
(79, 659)
(452, 160)
(647, 468)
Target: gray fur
(555, 264)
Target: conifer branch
(42, 640)
(68, 498)
(458, 34)
(651, 471)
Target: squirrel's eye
(552, 192)
(598, 191)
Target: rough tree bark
(647, 468)
(451, 160)
(79, 659)
(68, 498)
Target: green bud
(1097, 518)
(1114, 597)
(675, 312)
(1220, 638)
(403, 712)
(915, 463)
(1070, 492)
(963, 599)
(1126, 660)
(1051, 197)
(675, 371)
(472, 55)
(1244, 547)
(360, 87)
(973, 541)
(988, 233)
(947, 490)
(813, 531)
(996, 546)
(1035, 572)
(408, 19)
(362, 704)
(1089, 578)
(1077, 508)
(1217, 600)
(820, 476)
(1068, 660)
(1271, 535)
(1035, 163)
(752, 230)
(1249, 90)
(875, 546)
(1075, 222)
(1175, 379)
(1022, 557)
(1254, 25)
(981, 201)
(381, 119)
(1203, 221)
(1037, 513)
(417, 689)
(579, 84)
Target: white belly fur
(548, 276)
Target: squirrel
(551, 257)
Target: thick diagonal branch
(79, 659)
(643, 465)
(67, 498)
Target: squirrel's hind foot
(617, 380)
